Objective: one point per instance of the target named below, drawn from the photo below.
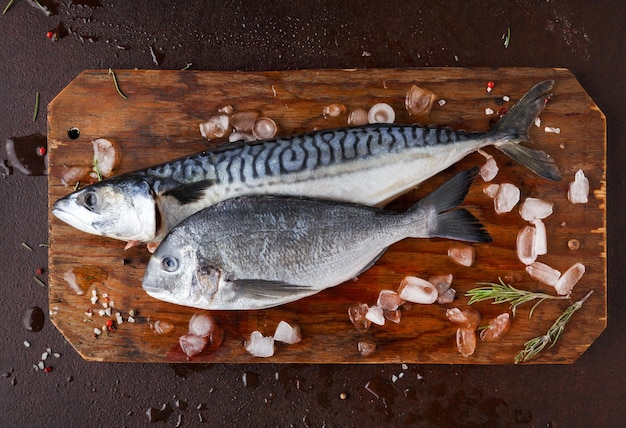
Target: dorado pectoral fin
(265, 294)
(190, 193)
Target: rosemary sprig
(7, 7)
(117, 86)
(43, 8)
(537, 344)
(505, 293)
(36, 112)
(189, 64)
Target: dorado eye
(169, 264)
(90, 200)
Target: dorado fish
(368, 165)
(257, 252)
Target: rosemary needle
(505, 293)
(117, 86)
(36, 107)
(536, 345)
(7, 7)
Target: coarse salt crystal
(543, 273)
(27, 343)
(489, 111)
(375, 315)
(506, 98)
(287, 334)
(525, 245)
(533, 208)
(552, 130)
(94, 299)
(537, 122)
(260, 346)
(394, 378)
(568, 280)
(44, 356)
(41, 365)
(101, 312)
(507, 197)
(441, 102)
(130, 319)
(578, 192)
(97, 331)
(404, 366)
(417, 290)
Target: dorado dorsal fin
(191, 192)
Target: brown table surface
(585, 37)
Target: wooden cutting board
(159, 121)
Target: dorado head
(174, 275)
(121, 208)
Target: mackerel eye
(169, 264)
(90, 200)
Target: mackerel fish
(369, 165)
(256, 252)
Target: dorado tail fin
(513, 127)
(450, 221)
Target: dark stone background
(585, 36)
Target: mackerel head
(368, 165)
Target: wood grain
(159, 121)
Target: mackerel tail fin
(512, 129)
(451, 221)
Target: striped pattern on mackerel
(369, 165)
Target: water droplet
(33, 319)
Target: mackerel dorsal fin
(191, 192)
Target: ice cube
(201, 325)
(466, 341)
(507, 197)
(491, 190)
(287, 334)
(579, 189)
(489, 170)
(497, 328)
(393, 316)
(466, 318)
(462, 254)
(447, 296)
(543, 273)
(375, 315)
(417, 290)
(191, 344)
(389, 300)
(535, 209)
(366, 348)
(441, 282)
(526, 245)
(357, 316)
(259, 345)
(568, 280)
(541, 239)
